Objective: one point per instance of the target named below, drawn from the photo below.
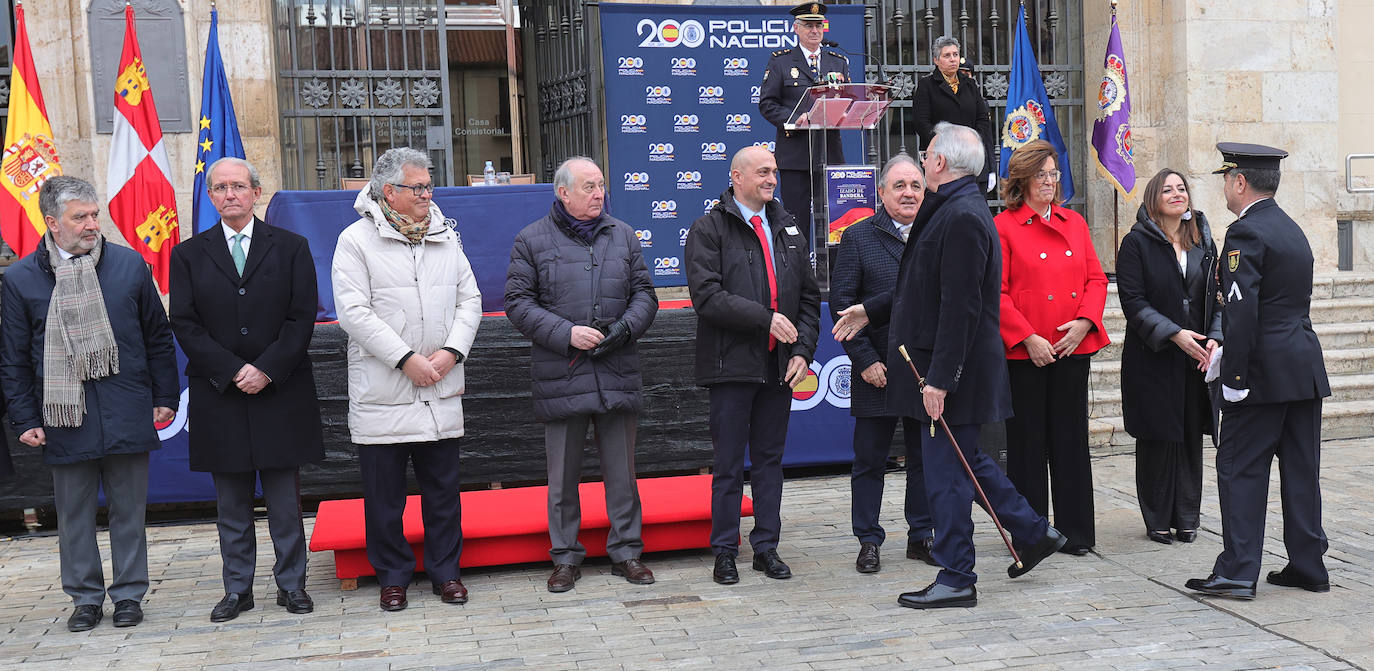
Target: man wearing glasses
(407, 298)
(243, 299)
(790, 73)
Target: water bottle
(489, 175)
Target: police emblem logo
(815, 8)
(1111, 93)
(1123, 144)
(1024, 125)
(795, 73)
(1233, 260)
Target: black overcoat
(865, 270)
(946, 309)
(785, 81)
(934, 101)
(1159, 301)
(265, 318)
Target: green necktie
(237, 252)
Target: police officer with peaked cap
(790, 73)
(1272, 382)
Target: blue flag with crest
(218, 128)
(1029, 114)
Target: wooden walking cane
(921, 384)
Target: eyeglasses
(417, 189)
(1051, 176)
(236, 189)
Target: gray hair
(62, 189)
(254, 180)
(899, 159)
(390, 168)
(961, 146)
(940, 43)
(563, 176)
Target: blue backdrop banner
(681, 97)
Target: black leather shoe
(1290, 578)
(1047, 546)
(1160, 537)
(564, 577)
(725, 572)
(1186, 535)
(127, 613)
(230, 606)
(868, 561)
(936, 595)
(295, 600)
(84, 618)
(1076, 550)
(771, 564)
(922, 550)
(1219, 586)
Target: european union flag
(219, 128)
(1029, 115)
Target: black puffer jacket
(728, 280)
(555, 281)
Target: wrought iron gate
(359, 77)
(564, 56)
(900, 34)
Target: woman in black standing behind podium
(948, 94)
(1166, 279)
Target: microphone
(882, 76)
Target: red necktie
(772, 277)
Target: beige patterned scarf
(78, 342)
(414, 229)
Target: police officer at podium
(790, 73)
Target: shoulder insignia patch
(1233, 260)
(838, 55)
(780, 52)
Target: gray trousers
(124, 478)
(238, 547)
(615, 440)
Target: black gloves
(617, 334)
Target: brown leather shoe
(564, 577)
(394, 598)
(452, 591)
(634, 570)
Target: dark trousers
(1251, 436)
(124, 477)
(1050, 429)
(1168, 475)
(384, 499)
(752, 417)
(951, 497)
(238, 546)
(795, 188)
(615, 443)
(872, 440)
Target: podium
(824, 109)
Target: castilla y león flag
(30, 157)
(142, 202)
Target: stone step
(1335, 337)
(1106, 372)
(1324, 311)
(1105, 402)
(1340, 419)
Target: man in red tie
(758, 314)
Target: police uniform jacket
(866, 270)
(1050, 275)
(784, 84)
(727, 278)
(1266, 282)
(945, 310)
(265, 318)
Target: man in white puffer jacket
(407, 298)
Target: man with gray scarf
(87, 366)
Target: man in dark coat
(866, 268)
(243, 309)
(789, 74)
(945, 310)
(758, 316)
(578, 287)
(86, 383)
(1273, 381)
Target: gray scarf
(79, 343)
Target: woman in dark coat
(949, 94)
(1167, 283)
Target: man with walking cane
(944, 310)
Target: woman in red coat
(1053, 293)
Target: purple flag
(1112, 128)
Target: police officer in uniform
(790, 72)
(1272, 382)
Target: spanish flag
(30, 156)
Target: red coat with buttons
(1050, 276)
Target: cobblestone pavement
(1122, 607)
